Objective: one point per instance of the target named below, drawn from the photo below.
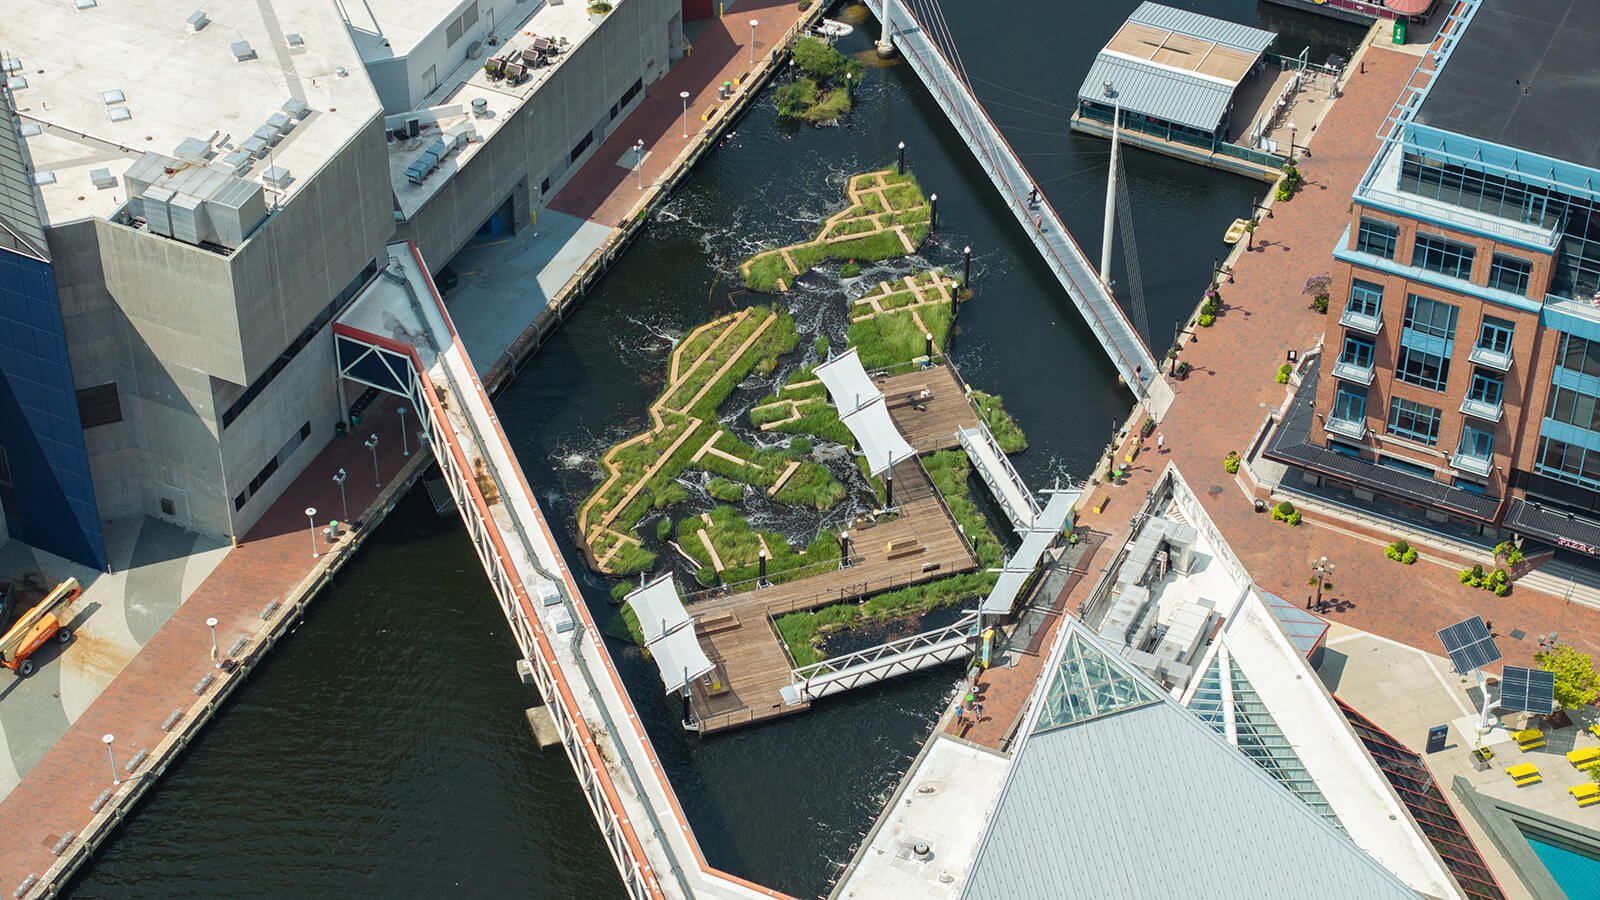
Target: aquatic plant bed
(890, 325)
(641, 472)
(887, 217)
(737, 546)
(1004, 428)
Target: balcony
(1491, 359)
(1351, 371)
(1352, 429)
(1477, 465)
(1360, 321)
(1482, 409)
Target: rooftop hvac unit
(296, 108)
(277, 177)
(102, 178)
(480, 107)
(154, 206)
(267, 135)
(237, 210)
(192, 149)
(237, 163)
(145, 171)
(255, 146)
(475, 50)
(198, 19)
(189, 222)
(280, 123)
(242, 51)
(294, 39)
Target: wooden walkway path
(946, 409)
(737, 631)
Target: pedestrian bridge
(917, 29)
(397, 337)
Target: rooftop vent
(44, 177)
(340, 71)
(86, 4)
(267, 135)
(237, 162)
(192, 149)
(102, 178)
(10, 65)
(280, 123)
(198, 19)
(29, 129)
(119, 114)
(277, 177)
(294, 39)
(242, 51)
(16, 82)
(112, 97)
(296, 108)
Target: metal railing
(886, 660)
(1166, 133)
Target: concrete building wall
(632, 43)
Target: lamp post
(211, 623)
(405, 442)
(371, 443)
(753, 24)
(339, 478)
(684, 96)
(1294, 131)
(638, 153)
(111, 755)
(1320, 572)
(933, 212)
(849, 82)
(900, 166)
(311, 516)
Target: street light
(684, 96)
(900, 167)
(1294, 130)
(1320, 572)
(338, 478)
(372, 444)
(405, 443)
(311, 516)
(638, 153)
(211, 623)
(753, 24)
(111, 755)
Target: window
(1572, 408)
(632, 91)
(1477, 443)
(1467, 484)
(1568, 462)
(1366, 298)
(1486, 388)
(1579, 355)
(1437, 254)
(1495, 335)
(582, 145)
(1357, 352)
(460, 25)
(1430, 317)
(1508, 273)
(1413, 421)
(1377, 237)
(99, 405)
(1423, 369)
(1404, 465)
(5, 468)
(1350, 404)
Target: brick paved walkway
(605, 192)
(1231, 389)
(274, 557)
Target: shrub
(599, 7)
(664, 528)
(1498, 581)
(1401, 552)
(1206, 320)
(1231, 462)
(1410, 556)
(1282, 194)
(620, 590)
(823, 63)
(850, 269)
(1285, 512)
(1283, 373)
(805, 5)
(727, 491)
(1509, 551)
(1577, 685)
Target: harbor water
(382, 749)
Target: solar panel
(1469, 644)
(1530, 690)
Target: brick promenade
(605, 192)
(53, 799)
(1228, 394)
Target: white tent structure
(669, 633)
(864, 411)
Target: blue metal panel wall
(52, 504)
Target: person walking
(1161, 442)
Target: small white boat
(834, 28)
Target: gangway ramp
(397, 337)
(888, 660)
(916, 29)
(1005, 485)
(1046, 527)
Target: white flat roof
(945, 803)
(175, 83)
(514, 30)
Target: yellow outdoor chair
(1585, 794)
(1524, 774)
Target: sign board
(1437, 735)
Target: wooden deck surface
(736, 629)
(946, 409)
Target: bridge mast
(885, 44)
(1111, 188)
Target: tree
(1576, 681)
(823, 63)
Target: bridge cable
(1036, 99)
(1130, 255)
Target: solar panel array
(1469, 644)
(1531, 690)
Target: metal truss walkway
(1005, 485)
(917, 30)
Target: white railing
(887, 660)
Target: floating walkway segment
(1005, 485)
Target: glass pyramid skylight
(1088, 684)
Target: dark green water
(382, 751)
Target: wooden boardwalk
(946, 409)
(737, 631)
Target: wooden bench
(1524, 774)
(1530, 739)
(902, 549)
(717, 624)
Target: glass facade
(1086, 685)
(1577, 265)
(1509, 273)
(1437, 254)
(1413, 421)
(1427, 339)
(1377, 237)
(48, 497)
(1578, 355)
